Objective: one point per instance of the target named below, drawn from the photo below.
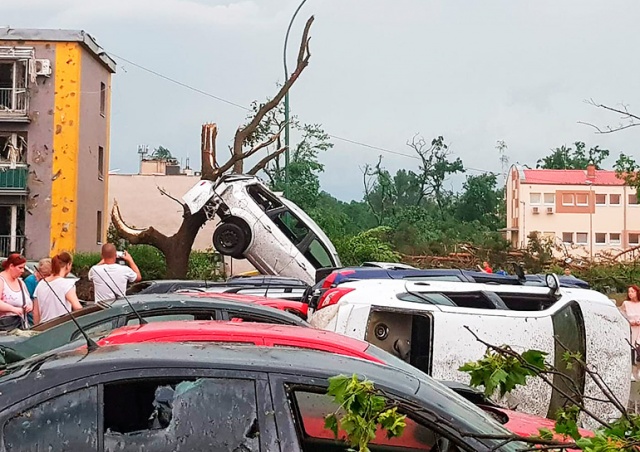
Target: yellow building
(55, 89)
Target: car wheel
(230, 239)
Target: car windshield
(66, 318)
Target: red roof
(264, 334)
(569, 177)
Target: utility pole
(286, 104)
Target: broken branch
(243, 132)
(208, 150)
(263, 163)
(147, 236)
(165, 193)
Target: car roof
(398, 286)
(258, 333)
(42, 373)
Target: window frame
(611, 203)
(103, 99)
(637, 234)
(586, 240)
(268, 432)
(287, 415)
(572, 237)
(540, 199)
(100, 163)
(582, 204)
(573, 200)
(634, 204)
(550, 203)
(99, 227)
(595, 238)
(600, 203)
(618, 241)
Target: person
(56, 295)
(109, 278)
(567, 272)
(15, 302)
(631, 310)
(42, 271)
(486, 268)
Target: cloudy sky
(381, 71)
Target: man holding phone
(110, 278)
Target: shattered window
(160, 415)
(68, 422)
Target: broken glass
(205, 414)
(66, 423)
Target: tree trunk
(177, 248)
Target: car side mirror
(553, 282)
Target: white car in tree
(271, 232)
(432, 324)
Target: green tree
(480, 201)
(569, 158)
(162, 153)
(627, 169)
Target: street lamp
(286, 104)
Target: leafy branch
(365, 411)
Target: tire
(230, 239)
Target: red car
(290, 336)
(294, 307)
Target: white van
(271, 232)
(425, 323)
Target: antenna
(91, 345)
(143, 150)
(140, 319)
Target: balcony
(14, 105)
(13, 180)
(10, 243)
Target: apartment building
(55, 89)
(586, 213)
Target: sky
(380, 72)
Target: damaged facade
(55, 88)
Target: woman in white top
(14, 297)
(55, 295)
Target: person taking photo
(110, 278)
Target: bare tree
(177, 247)
(626, 118)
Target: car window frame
(269, 437)
(283, 384)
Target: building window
(614, 238)
(633, 200)
(601, 238)
(601, 199)
(13, 86)
(582, 238)
(582, 199)
(567, 237)
(634, 238)
(534, 198)
(99, 227)
(103, 98)
(100, 163)
(567, 199)
(550, 198)
(614, 200)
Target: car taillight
(331, 279)
(332, 296)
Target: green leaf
(535, 358)
(331, 423)
(545, 433)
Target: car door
(151, 409)
(301, 404)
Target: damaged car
(100, 318)
(431, 325)
(220, 397)
(271, 232)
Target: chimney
(591, 171)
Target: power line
(204, 93)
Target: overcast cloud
(381, 70)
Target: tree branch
(243, 132)
(147, 236)
(165, 193)
(624, 111)
(263, 163)
(208, 150)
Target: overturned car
(432, 325)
